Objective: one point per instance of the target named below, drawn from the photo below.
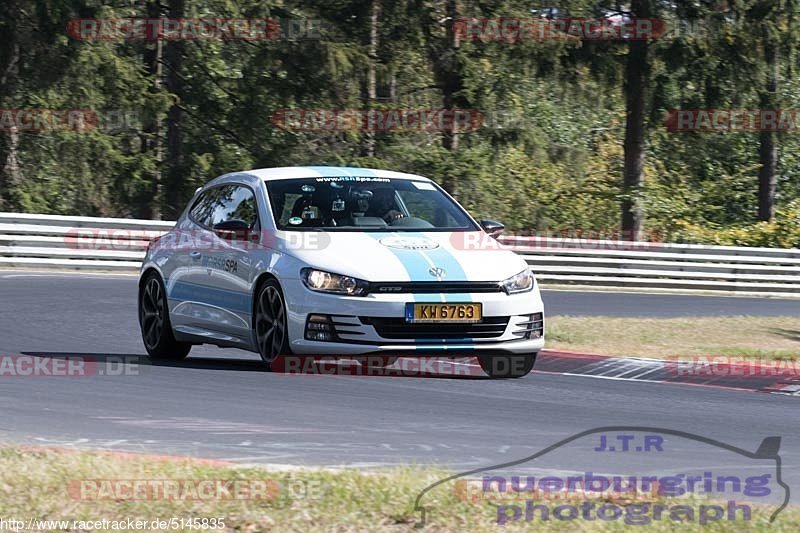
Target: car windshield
(364, 204)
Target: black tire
(507, 366)
(269, 322)
(376, 361)
(157, 336)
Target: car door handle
(195, 255)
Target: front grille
(398, 328)
(428, 287)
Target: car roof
(279, 173)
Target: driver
(383, 205)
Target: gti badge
(437, 272)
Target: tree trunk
(768, 145)
(151, 139)
(452, 84)
(10, 172)
(173, 56)
(443, 56)
(368, 147)
(636, 79)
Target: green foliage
(782, 232)
(548, 157)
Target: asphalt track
(219, 404)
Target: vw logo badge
(436, 272)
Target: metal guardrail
(82, 243)
(769, 271)
(52, 241)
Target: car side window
(226, 207)
(199, 211)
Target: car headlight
(321, 281)
(521, 282)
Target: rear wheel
(159, 341)
(270, 322)
(507, 366)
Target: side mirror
(492, 227)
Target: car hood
(404, 256)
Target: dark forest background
(573, 137)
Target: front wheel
(270, 322)
(507, 366)
(157, 335)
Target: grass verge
(737, 336)
(40, 484)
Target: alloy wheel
(270, 323)
(153, 312)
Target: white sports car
(336, 261)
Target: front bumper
(357, 333)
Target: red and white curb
(773, 376)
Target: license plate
(435, 312)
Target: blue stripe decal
(459, 347)
(416, 263)
(417, 266)
(335, 172)
(441, 257)
(226, 299)
(426, 341)
(328, 172)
